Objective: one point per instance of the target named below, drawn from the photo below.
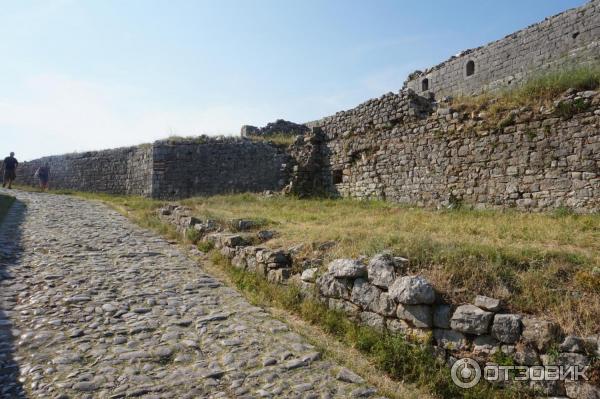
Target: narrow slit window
(337, 176)
(425, 85)
(470, 68)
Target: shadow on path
(10, 250)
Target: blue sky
(82, 74)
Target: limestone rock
(471, 320)
(507, 328)
(487, 303)
(347, 268)
(526, 355)
(309, 275)
(348, 376)
(332, 287)
(381, 270)
(412, 290)
(575, 344)
(419, 315)
(450, 339)
(582, 390)
(441, 316)
(485, 344)
(540, 333)
(385, 305)
(365, 294)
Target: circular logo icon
(466, 373)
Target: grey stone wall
(567, 39)
(168, 169)
(280, 126)
(217, 166)
(117, 171)
(392, 148)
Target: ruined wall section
(217, 166)
(126, 171)
(392, 148)
(567, 39)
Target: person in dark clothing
(43, 174)
(10, 170)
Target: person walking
(10, 170)
(43, 174)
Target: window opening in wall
(425, 85)
(470, 68)
(336, 175)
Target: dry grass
(539, 90)
(546, 264)
(278, 139)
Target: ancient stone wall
(392, 148)
(117, 171)
(567, 39)
(168, 169)
(216, 166)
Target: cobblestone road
(92, 306)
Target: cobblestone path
(92, 306)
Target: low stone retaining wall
(379, 292)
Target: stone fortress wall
(221, 166)
(403, 148)
(168, 169)
(567, 39)
(125, 171)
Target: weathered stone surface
(485, 344)
(332, 287)
(449, 339)
(526, 355)
(141, 319)
(168, 169)
(487, 303)
(349, 376)
(507, 328)
(441, 316)
(347, 268)
(540, 333)
(575, 344)
(381, 270)
(371, 298)
(412, 290)
(309, 275)
(471, 320)
(582, 390)
(418, 315)
(385, 305)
